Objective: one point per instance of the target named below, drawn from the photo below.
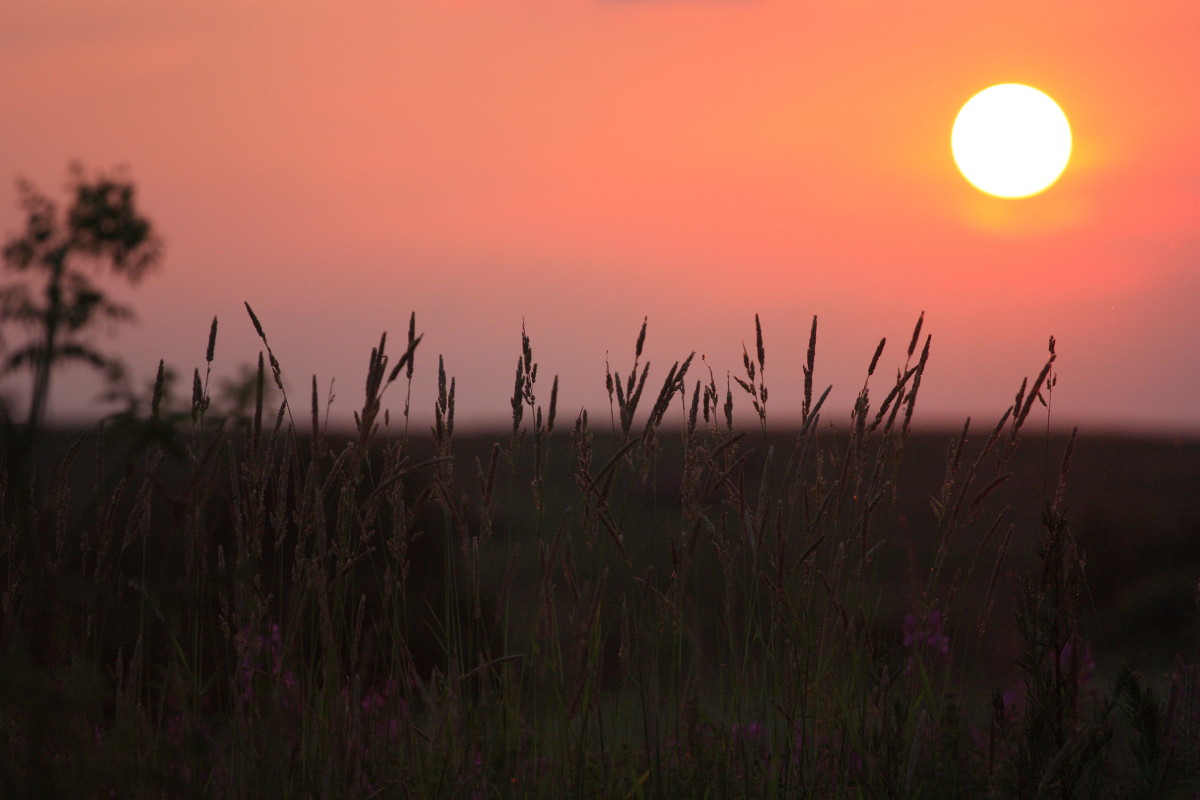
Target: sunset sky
(582, 164)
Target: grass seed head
(257, 325)
(413, 339)
(875, 358)
(316, 427)
(809, 366)
(159, 384)
(198, 404)
(728, 404)
(526, 349)
(407, 359)
(212, 342)
(762, 352)
(518, 405)
(912, 345)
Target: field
(647, 601)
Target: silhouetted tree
(101, 232)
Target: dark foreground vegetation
(645, 603)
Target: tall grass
(199, 605)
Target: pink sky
(581, 164)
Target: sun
(1011, 140)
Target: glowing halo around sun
(1011, 140)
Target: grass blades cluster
(658, 605)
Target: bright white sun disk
(1011, 140)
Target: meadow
(647, 601)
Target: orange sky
(580, 164)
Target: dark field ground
(185, 598)
(1133, 505)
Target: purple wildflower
(1079, 661)
(929, 634)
